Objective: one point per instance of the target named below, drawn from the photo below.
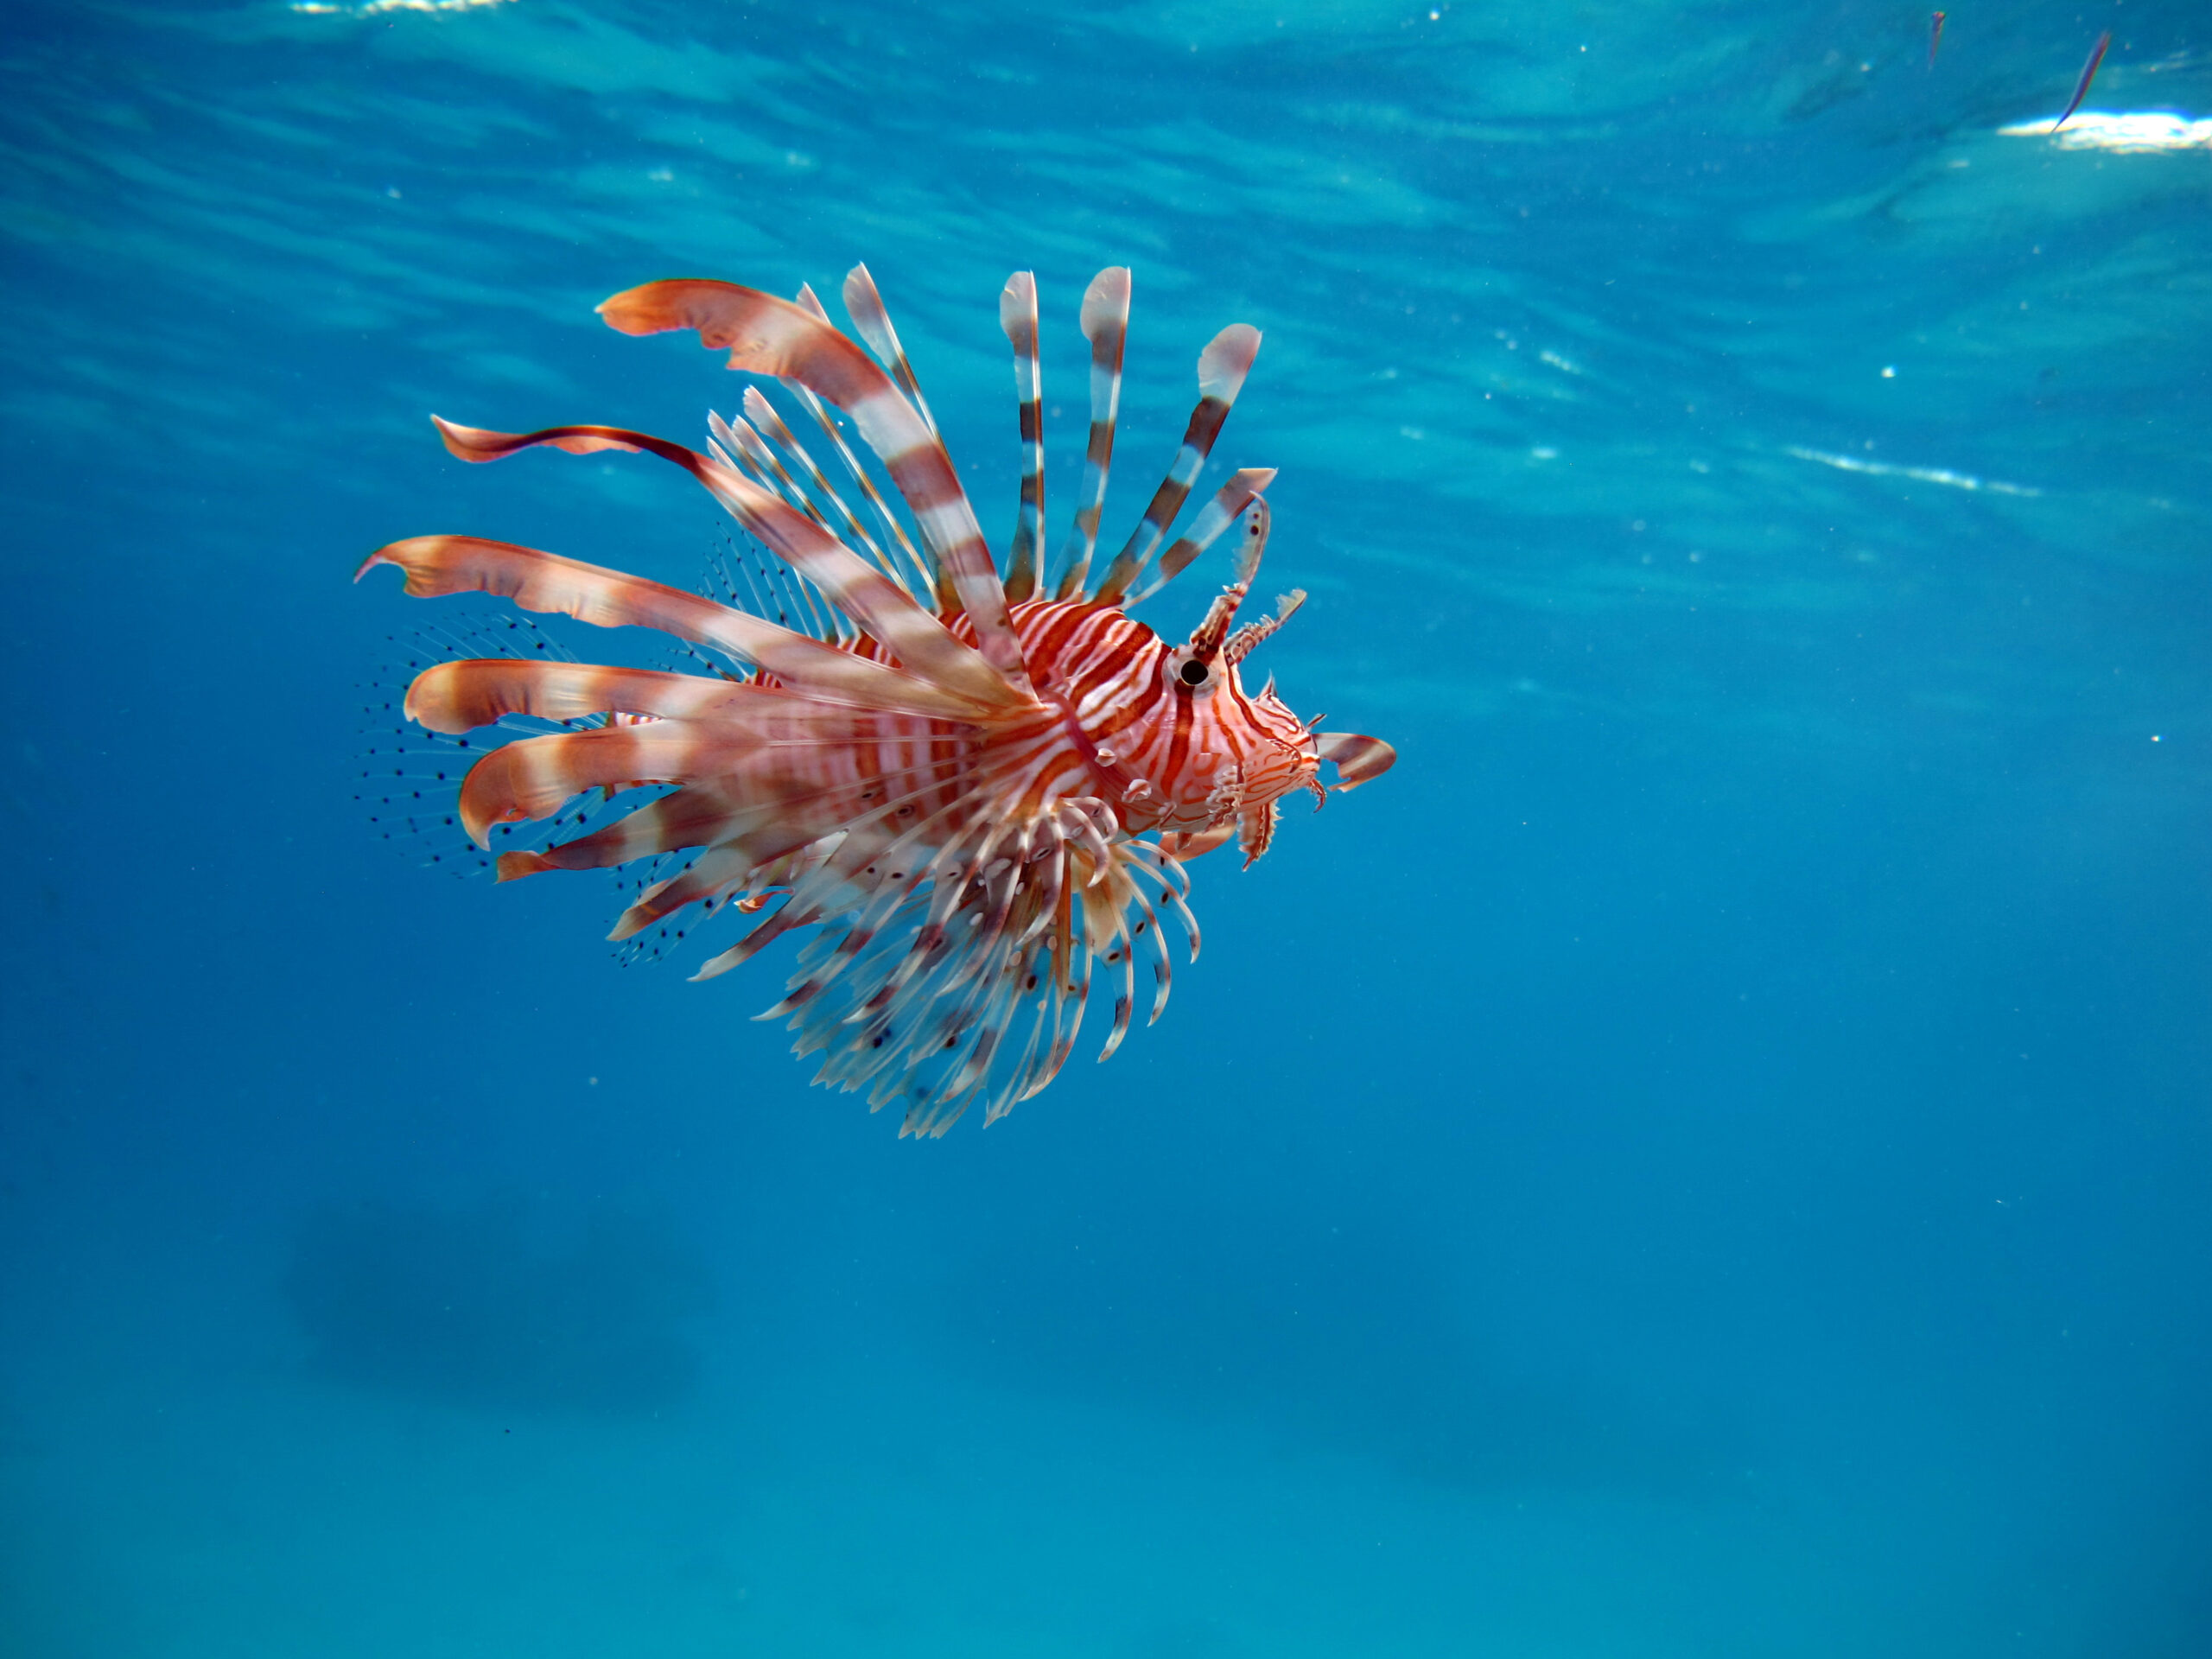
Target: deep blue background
(1707, 1157)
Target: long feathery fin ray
(1221, 369)
(961, 861)
(533, 776)
(771, 336)
(1106, 326)
(462, 695)
(921, 643)
(546, 583)
(766, 420)
(1229, 503)
(870, 316)
(925, 577)
(1017, 319)
(745, 452)
(744, 443)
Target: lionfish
(975, 789)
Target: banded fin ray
(1105, 321)
(1223, 367)
(1228, 504)
(769, 425)
(546, 583)
(1018, 319)
(927, 578)
(771, 336)
(865, 305)
(925, 646)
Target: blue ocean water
(1705, 1159)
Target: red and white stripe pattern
(1018, 319)
(976, 800)
(1222, 368)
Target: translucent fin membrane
(408, 780)
(917, 573)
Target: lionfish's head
(1246, 749)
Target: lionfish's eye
(1192, 673)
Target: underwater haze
(1707, 1157)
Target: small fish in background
(2088, 74)
(972, 788)
(1935, 37)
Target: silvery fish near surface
(977, 790)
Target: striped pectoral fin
(533, 776)
(1017, 319)
(548, 583)
(1222, 368)
(461, 695)
(699, 815)
(766, 335)
(804, 905)
(851, 583)
(1358, 759)
(1106, 326)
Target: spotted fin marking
(1223, 367)
(409, 777)
(1017, 318)
(1106, 326)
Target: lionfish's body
(954, 776)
